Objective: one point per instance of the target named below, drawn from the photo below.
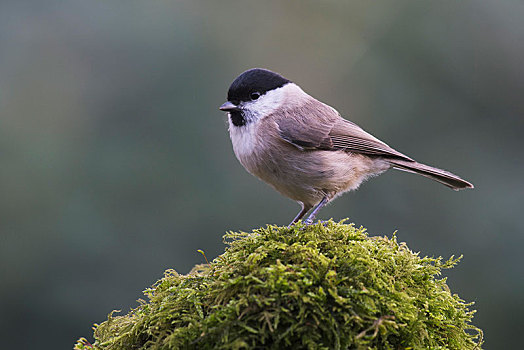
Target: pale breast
(245, 142)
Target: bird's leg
(301, 214)
(319, 206)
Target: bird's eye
(254, 96)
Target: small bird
(303, 147)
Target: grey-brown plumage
(303, 147)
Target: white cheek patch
(269, 102)
(244, 137)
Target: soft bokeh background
(115, 163)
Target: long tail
(439, 175)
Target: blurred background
(116, 164)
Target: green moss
(325, 286)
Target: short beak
(228, 107)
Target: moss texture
(325, 286)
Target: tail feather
(444, 177)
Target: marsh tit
(303, 147)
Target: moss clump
(326, 286)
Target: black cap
(254, 80)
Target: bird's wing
(349, 136)
(329, 131)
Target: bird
(304, 148)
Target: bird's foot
(307, 222)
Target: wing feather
(327, 130)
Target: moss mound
(326, 286)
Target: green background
(115, 163)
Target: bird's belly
(308, 176)
(302, 175)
